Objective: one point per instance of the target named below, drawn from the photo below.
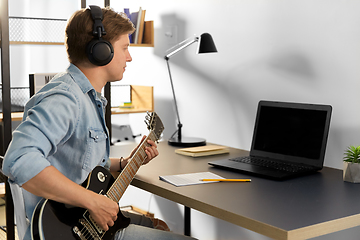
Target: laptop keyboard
(288, 167)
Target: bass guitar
(53, 220)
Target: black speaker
(99, 51)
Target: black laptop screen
(291, 131)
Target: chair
(122, 133)
(21, 220)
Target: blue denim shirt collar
(84, 83)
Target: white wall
(294, 50)
(304, 51)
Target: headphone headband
(97, 16)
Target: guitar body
(54, 221)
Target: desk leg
(187, 223)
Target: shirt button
(97, 137)
(103, 160)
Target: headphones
(99, 51)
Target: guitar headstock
(155, 124)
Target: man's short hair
(80, 26)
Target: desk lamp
(206, 45)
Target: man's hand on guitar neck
(151, 151)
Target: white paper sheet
(190, 178)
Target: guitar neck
(116, 191)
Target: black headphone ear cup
(99, 52)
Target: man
(63, 135)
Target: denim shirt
(63, 126)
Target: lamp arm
(176, 107)
(181, 48)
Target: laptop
(289, 140)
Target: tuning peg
(147, 124)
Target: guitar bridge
(94, 224)
(78, 233)
(86, 230)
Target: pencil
(226, 180)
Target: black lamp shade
(206, 44)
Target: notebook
(289, 140)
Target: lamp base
(187, 142)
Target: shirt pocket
(96, 148)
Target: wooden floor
(3, 220)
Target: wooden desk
(299, 208)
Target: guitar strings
(118, 188)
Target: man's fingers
(111, 223)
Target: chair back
(21, 221)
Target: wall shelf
(44, 31)
(148, 38)
(142, 99)
(35, 43)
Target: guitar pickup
(89, 226)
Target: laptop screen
(293, 132)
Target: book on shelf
(138, 22)
(134, 18)
(138, 19)
(126, 105)
(141, 26)
(203, 150)
(128, 14)
(148, 33)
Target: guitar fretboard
(126, 176)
